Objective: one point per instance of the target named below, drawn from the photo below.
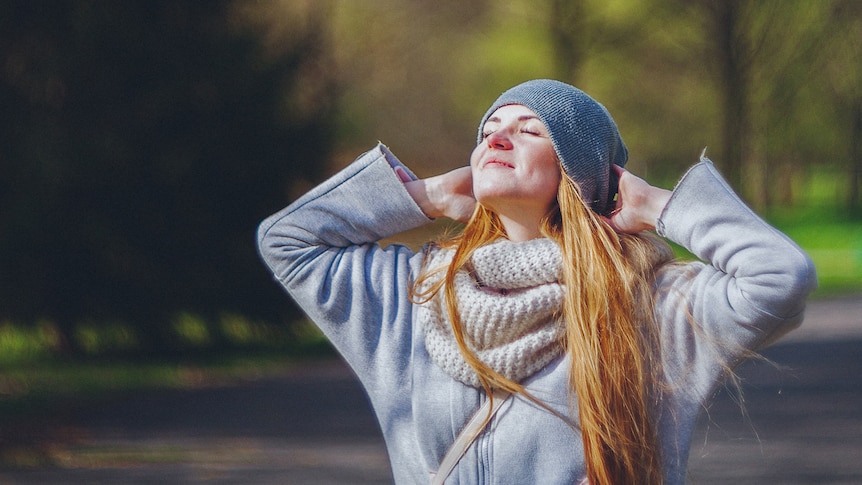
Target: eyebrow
(496, 119)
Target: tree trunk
(854, 202)
(734, 72)
(567, 37)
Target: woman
(553, 295)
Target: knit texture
(510, 302)
(584, 135)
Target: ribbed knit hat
(584, 135)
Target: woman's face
(515, 167)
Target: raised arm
(322, 250)
(749, 288)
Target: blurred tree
(570, 38)
(726, 47)
(843, 71)
(402, 65)
(141, 143)
(733, 48)
(761, 61)
(631, 56)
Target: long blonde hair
(610, 331)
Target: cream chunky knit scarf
(510, 300)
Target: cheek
(553, 172)
(474, 156)
(474, 163)
(553, 192)
(547, 182)
(546, 189)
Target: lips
(496, 162)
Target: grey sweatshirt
(748, 289)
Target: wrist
(658, 199)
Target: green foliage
(191, 331)
(190, 334)
(142, 141)
(35, 375)
(140, 145)
(22, 344)
(833, 240)
(96, 338)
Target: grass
(34, 386)
(35, 377)
(833, 241)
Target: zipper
(484, 452)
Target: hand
(445, 195)
(639, 204)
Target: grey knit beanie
(584, 135)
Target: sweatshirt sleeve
(322, 250)
(747, 290)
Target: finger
(403, 176)
(610, 222)
(618, 203)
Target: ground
(313, 425)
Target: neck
(522, 227)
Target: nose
(499, 140)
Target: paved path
(314, 425)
